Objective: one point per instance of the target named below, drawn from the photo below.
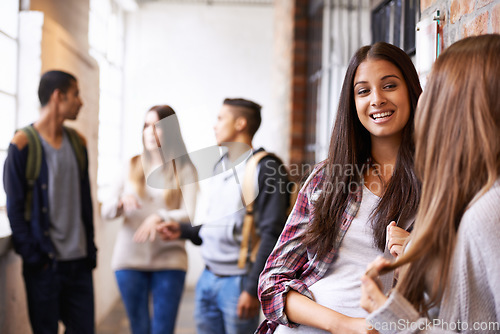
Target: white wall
(55, 36)
(192, 56)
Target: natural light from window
(9, 20)
(9, 30)
(106, 34)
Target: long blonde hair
(172, 197)
(457, 157)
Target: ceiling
(213, 2)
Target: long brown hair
(350, 148)
(173, 197)
(457, 158)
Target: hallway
(116, 321)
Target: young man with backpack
(50, 211)
(226, 294)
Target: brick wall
(299, 83)
(464, 18)
(282, 73)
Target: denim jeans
(165, 286)
(63, 291)
(216, 303)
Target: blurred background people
(145, 265)
(226, 294)
(50, 211)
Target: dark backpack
(34, 162)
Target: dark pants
(63, 292)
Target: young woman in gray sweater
(147, 267)
(451, 261)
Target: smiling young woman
(381, 98)
(311, 280)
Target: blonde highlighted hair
(457, 157)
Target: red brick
(300, 60)
(299, 105)
(298, 139)
(297, 132)
(300, 118)
(299, 80)
(300, 20)
(466, 6)
(478, 26)
(298, 145)
(300, 94)
(299, 89)
(459, 8)
(299, 50)
(296, 110)
(454, 11)
(482, 3)
(495, 19)
(301, 4)
(296, 156)
(299, 44)
(424, 4)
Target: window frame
(111, 62)
(394, 21)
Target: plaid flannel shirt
(291, 264)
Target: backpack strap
(34, 160)
(78, 148)
(33, 166)
(250, 239)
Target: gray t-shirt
(66, 225)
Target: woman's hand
(396, 237)
(372, 298)
(147, 230)
(128, 203)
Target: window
(106, 36)
(345, 28)
(9, 20)
(394, 21)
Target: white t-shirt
(340, 288)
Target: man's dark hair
(51, 81)
(247, 109)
